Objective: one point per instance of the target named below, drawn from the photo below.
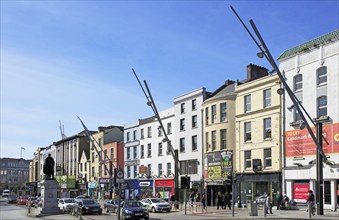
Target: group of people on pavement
(223, 200)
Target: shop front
(67, 186)
(131, 189)
(164, 188)
(92, 187)
(146, 189)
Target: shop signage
(144, 184)
(104, 180)
(300, 143)
(301, 191)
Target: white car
(66, 204)
(6, 193)
(156, 204)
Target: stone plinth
(49, 197)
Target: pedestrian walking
(310, 200)
(279, 199)
(227, 200)
(268, 204)
(203, 201)
(219, 200)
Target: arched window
(298, 83)
(322, 76)
(322, 106)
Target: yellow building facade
(258, 154)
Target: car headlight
(128, 212)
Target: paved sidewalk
(243, 213)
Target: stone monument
(49, 188)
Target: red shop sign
(301, 191)
(164, 183)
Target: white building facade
(312, 72)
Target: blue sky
(62, 59)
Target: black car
(111, 205)
(133, 209)
(11, 199)
(86, 206)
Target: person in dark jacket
(310, 200)
(227, 200)
(219, 200)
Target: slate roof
(308, 45)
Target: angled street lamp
(264, 52)
(174, 152)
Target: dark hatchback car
(132, 210)
(11, 199)
(86, 206)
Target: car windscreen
(69, 200)
(133, 204)
(157, 200)
(88, 202)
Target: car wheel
(107, 210)
(168, 210)
(146, 218)
(100, 213)
(153, 210)
(63, 210)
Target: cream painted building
(218, 139)
(258, 140)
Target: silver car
(156, 204)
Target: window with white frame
(194, 143)
(247, 131)
(112, 153)
(182, 124)
(149, 169)
(247, 103)
(322, 76)
(149, 132)
(127, 136)
(134, 135)
(159, 169)
(169, 128)
(194, 121)
(142, 151)
(247, 159)
(194, 104)
(298, 83)
(207, 143)
(182, 144)
(267, 157)
(128, 172)
(128, 153)
(149, 150)
(159, 131)
(142, 134)
(169, 169)
(223, 112)
(182, 108)
(322, 106)
(214, 113)
(267, 98)
(160, 149)
(297, 116)
(214, 140)
(223, 139)
(206, 116)
(267, 128)
(135, 152)
(135, 171)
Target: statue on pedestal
(48, 168)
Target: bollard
(265, 209)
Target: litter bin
(252, 208)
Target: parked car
(156, 204)
(12, 199)
(66, 204)
(86, 206)
(31, 200)
(111, 205)
(6, 193)
(21, 200)
(260, 199)
(132, 209)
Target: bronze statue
(49, 167)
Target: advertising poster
(300, 142)
(301, 191)
(219, 164)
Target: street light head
(149, 103)
(260, 54)
(280, 91)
